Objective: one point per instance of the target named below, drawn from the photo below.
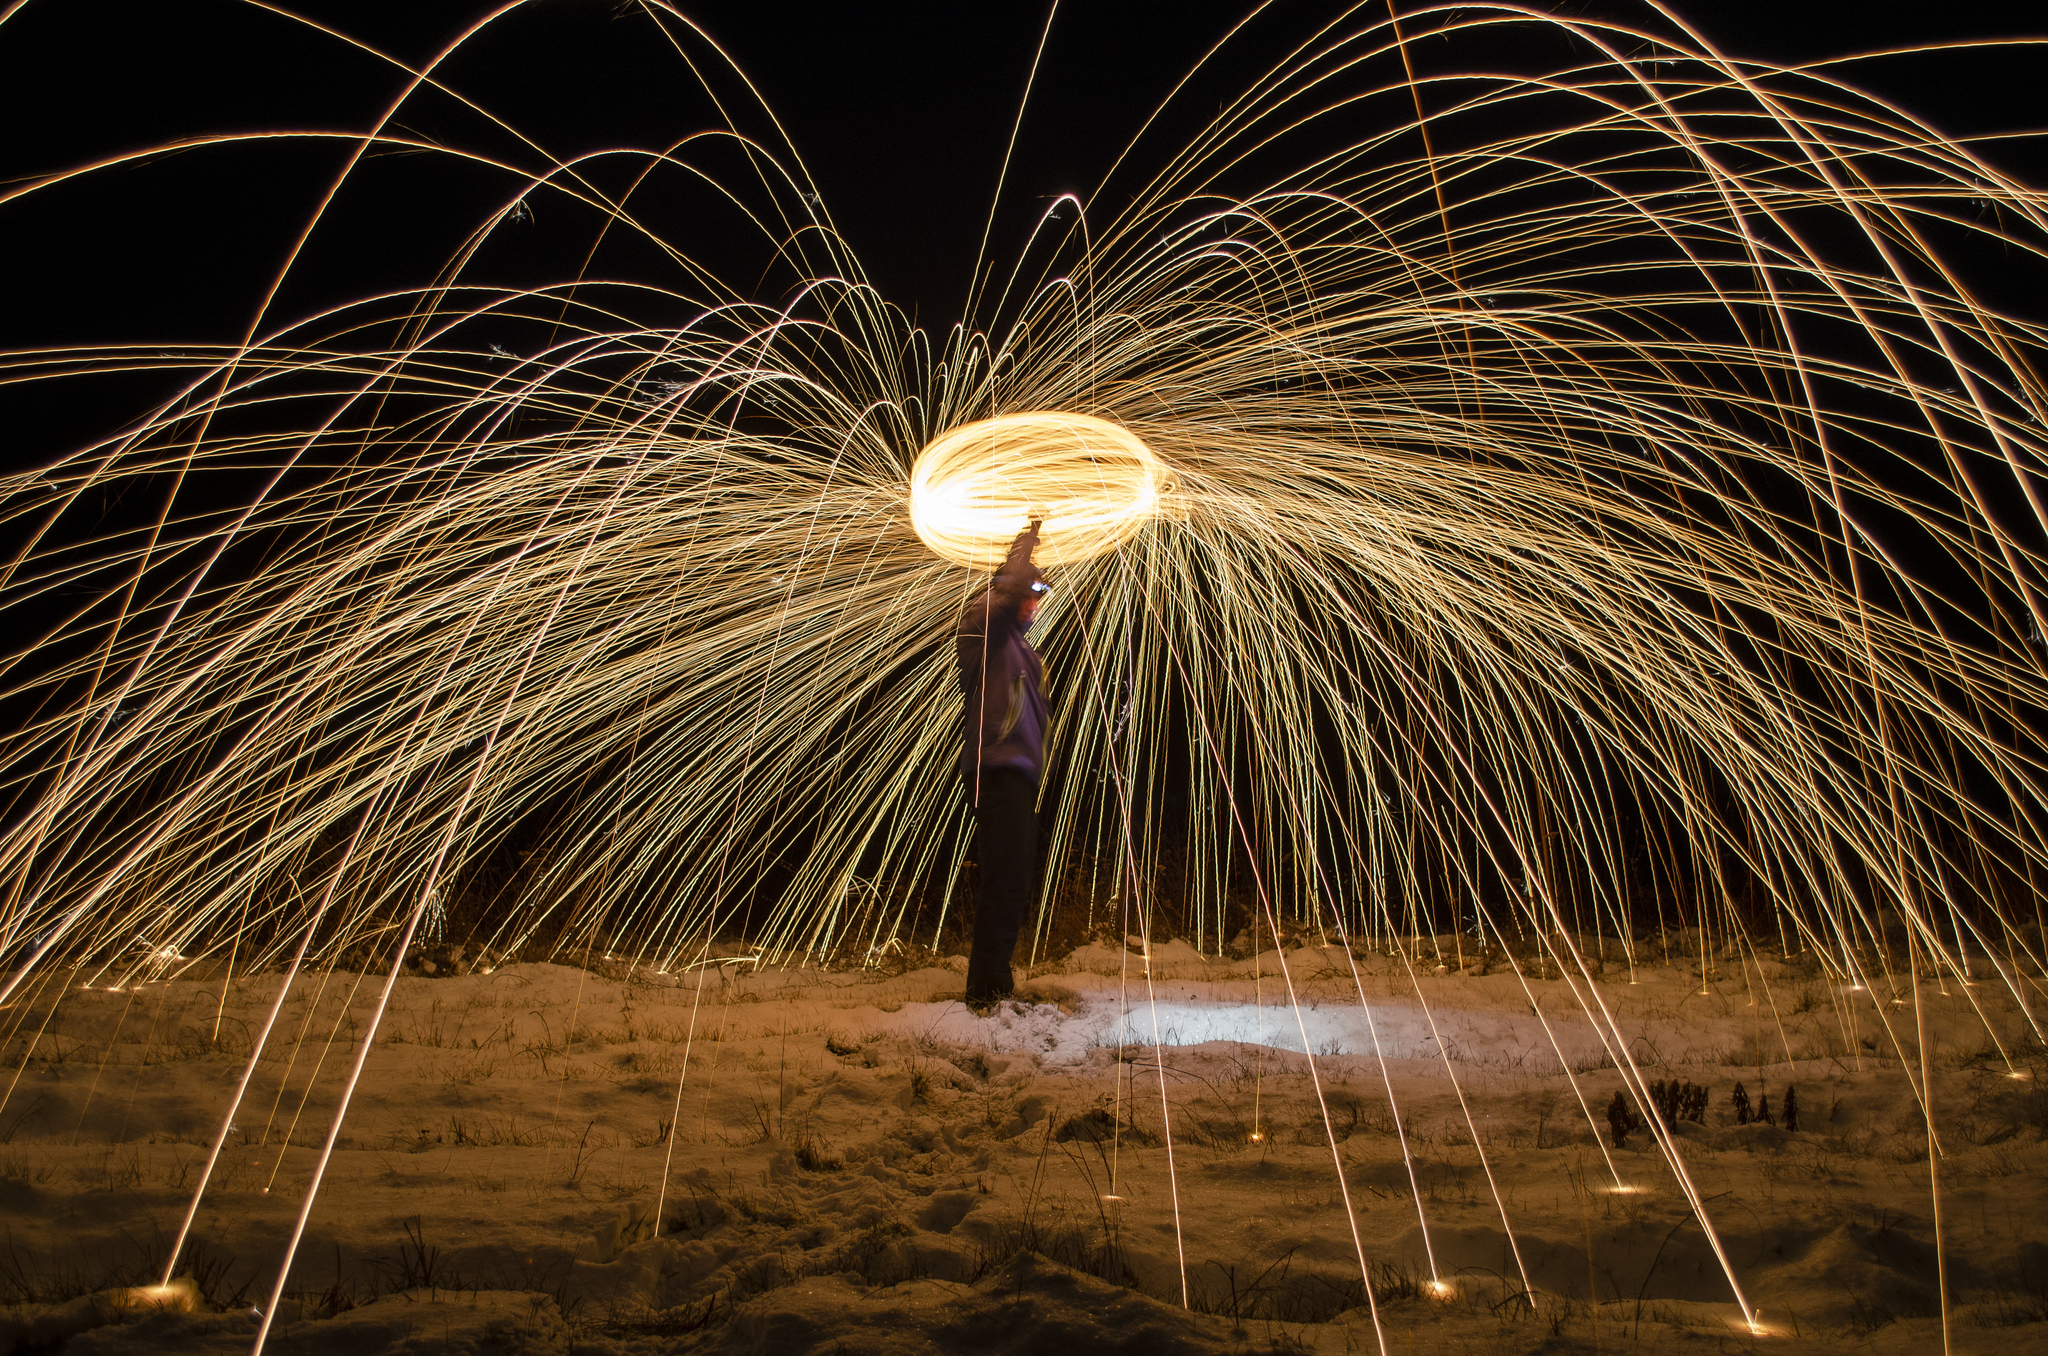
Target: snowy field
(1142, 1154)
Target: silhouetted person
(1003, 721)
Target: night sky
(901, 110)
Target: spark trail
(1604, 502)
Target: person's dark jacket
(1003, 716)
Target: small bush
(1620, 1120)
(1099, 1126)
(1674, 1101)
(813, 1156)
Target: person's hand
(1031, 529)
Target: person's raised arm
(1014, 580)
(993, 615)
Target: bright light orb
(974, 487)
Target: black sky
(900, 107)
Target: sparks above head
(1092, 484)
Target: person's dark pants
(1006, 843)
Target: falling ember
(1093, 483)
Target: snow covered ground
(1144, 1153)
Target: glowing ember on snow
(180, 1295)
